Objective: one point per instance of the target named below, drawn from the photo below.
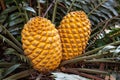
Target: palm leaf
(11, 51)
(97, 10)
(19, 75)
(10, 70)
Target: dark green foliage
(97, 10)
(10, 70)
(14, 17)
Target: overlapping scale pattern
(74, 31)
(41, 44)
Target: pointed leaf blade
(29, 9)
(16, 21)
(11, 69)
(8, 10)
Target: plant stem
(26, 15)
(75, 71)
(3, 6)
(54, 11)
(8, 64)
(104, 27)
(39, 9)
(11, 43)
(100, 24)
(101, 60)
(12, 37)
(17, 6)
(93, 35)
(48, 8)
(94, 71)
(90, 76)
(96, 7)
(75, 60)
(71, 6)
(19, 75)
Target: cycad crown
(74, 31)
(41, 44)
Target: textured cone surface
(74, 31)
(41, 44)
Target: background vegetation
(102, 55)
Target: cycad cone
(41, 44)
(74, 31)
